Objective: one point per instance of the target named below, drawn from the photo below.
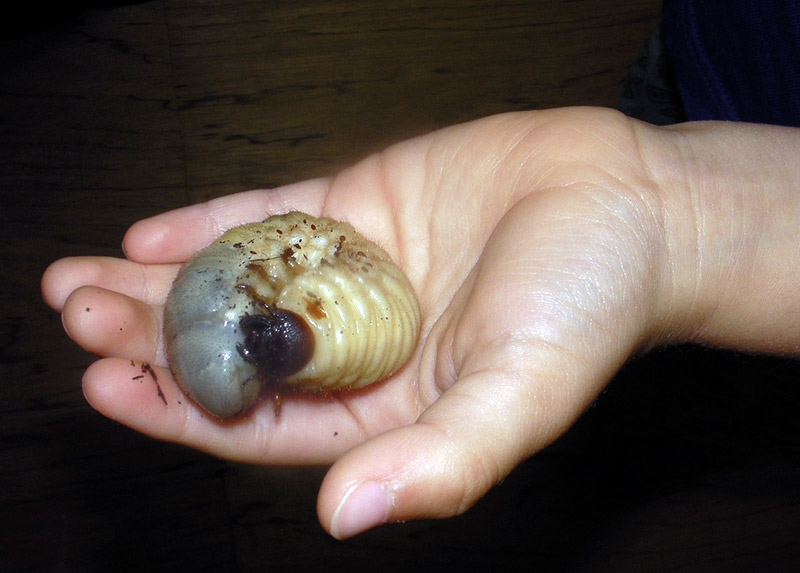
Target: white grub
(294, 303)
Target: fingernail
(85, 397)
(64, 325)
(363, 507)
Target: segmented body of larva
(294, 302)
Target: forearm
(732, 227)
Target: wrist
(731, 210)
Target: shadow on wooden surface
(112, 114)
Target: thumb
(463, 445)
(548, 317)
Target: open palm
(537, 272)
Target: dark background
(110, 113)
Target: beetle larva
(295, 302)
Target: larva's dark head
(279, 342)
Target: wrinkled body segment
(294, 302)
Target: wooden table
(691, 459)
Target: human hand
(545, 249)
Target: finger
(174, 236)
(463, 445)
(145, 397)
(148, 283)
(108, 323)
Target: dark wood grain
(108, 115)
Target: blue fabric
(736, 60)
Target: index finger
(174, 236)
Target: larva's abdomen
(295, 271)
(355, 315)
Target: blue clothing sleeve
(736, 60)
